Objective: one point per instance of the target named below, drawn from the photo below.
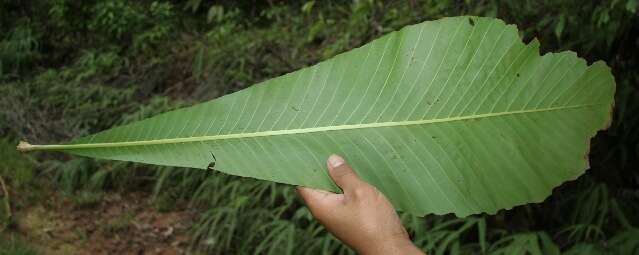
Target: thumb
(343, 174)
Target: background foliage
(71, 68)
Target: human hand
(361, 217)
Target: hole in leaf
(212, 164)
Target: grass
(11, 245)
(86, 199)
(119, 224)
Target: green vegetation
(10, 245)
(119, 224)
(69, 69)
(402, 117)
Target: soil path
(113, 224)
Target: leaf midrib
(295, 131)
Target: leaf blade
(482, 122)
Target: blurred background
(71, 68)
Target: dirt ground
(114, 224)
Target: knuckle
(343, 173)
(362, 191)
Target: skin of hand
(361, 217)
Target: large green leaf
(454, 115)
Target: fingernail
(335, 160)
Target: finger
(343, 174)
(316, 199)
(310, 195)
